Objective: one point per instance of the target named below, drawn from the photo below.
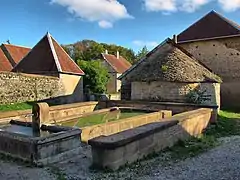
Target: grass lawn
(99, 119)
(13, 107)
(228, 125)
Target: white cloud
(105, 24)
(160, 5)
(167, 6)
(149, 44)
(105, 12)
(229, 5)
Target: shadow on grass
(228, 124)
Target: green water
(101, 118)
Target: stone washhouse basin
(38, 143)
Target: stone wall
(16, 87)
(109, 128)
(223, 57)
(129, 146)
(174, 92)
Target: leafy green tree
(142, 53)
(91, 50)
(96, 76)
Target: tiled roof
(16, 53)
(212, 25)
(48, 56)
(119, 65)
(169, 62)
(5, 65)
(66, 63)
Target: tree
(142, 53)
(96, 76)
(90, 50)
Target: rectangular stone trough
(58, 146)
(125, 147)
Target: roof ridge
(199, 19)
(195, 60)
(16, 45)
(228, 28)
(207, 72)
(142, 59)
(68, 55)
(55, 56)
(103, 54)
(190, 55)
(230, 22)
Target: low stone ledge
(128, 136)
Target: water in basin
(24, 130)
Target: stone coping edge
(41, 140)
(128, 136)
(162, 103)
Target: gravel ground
(11, 171)
(220, 163)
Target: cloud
(160, 5)
(229, 5)
(105, 12)
(145, 43)
(168, 6)
(105, 24)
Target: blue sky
(130, 23)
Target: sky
(129, 23)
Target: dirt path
(220, 163)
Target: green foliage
(142, 53)
(196, 96)
(164, 68)
(96, 76)
(90, 50)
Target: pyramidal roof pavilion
(48, 56)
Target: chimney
(175, 38)
(106, 51)
(118, 55)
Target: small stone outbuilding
(170, 73)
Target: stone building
(170, 73)
(215, 41)
(116, 65)
(48, 59)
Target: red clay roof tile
(5, 65)
(48, 56)
(119, 65)
(17, 53)
(66, 62)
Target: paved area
(222, 163)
